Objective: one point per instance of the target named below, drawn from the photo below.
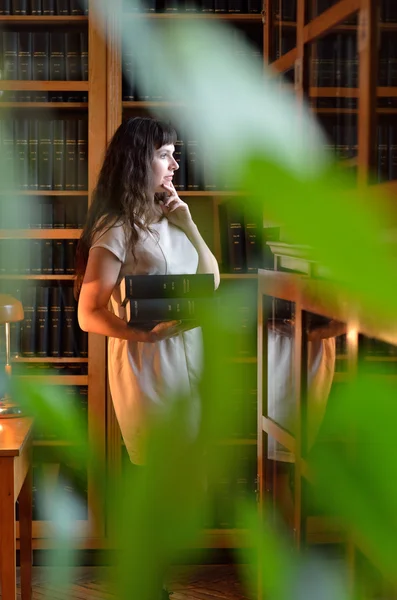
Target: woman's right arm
(102, 272)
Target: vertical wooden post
(368, 79)
(97, 343)
(267, 20)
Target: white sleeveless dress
(144, 377)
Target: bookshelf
(61, 96)
(304, 45)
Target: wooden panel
(42, 234)
(96, 343)
(42, 20)
(21, 467)
(13, 434)
(48, 86)
(368, 78)
(329, 19)
(285, 62)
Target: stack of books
(153, 299)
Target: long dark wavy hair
(122, 193)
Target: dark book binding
(55, 323)
(197, 285)
(42, 320)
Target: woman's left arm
(178, 213)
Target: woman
(138, 225)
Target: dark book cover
(193, 166)
(392, 63)
(207, 6)
(8, 154)
(36, 7)
(34, 212)
(81, 213)
(35, 257)
(57, 57)
(42, 320)
(220, 6)
(19, 7)
(324, 64)
(179, 179)
(48, 7)
(71, 155)
(55, 321)
(70, 256)
(73, 56)
(197, 285)
(253, 238)
(83, 343)
(10, 55)
(76, 8)
(41, 60)
(288, 10)
(254, 6)
(58, 250)
(82, 154)
(59, 214)
(231, 224)
(84, 55)
(5, 7)
(25, 59)
(22, 153)
(33, 149)
(156, 310)
(46, 136)
(47, 219)
(59, 154)
(28, 325)
(69, 322)
(71, 219)
(47, 259)
(236, 6)
(62, 7)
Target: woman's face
(163, 166)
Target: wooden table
(15, 481)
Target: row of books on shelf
(50, 327)
(37, 257)
(44, 154)
(285, 10)
(47, 8)
(31, 212)
(36, 367)
(38, 96)
(139, 84)
(55, 484)
(189, 6)
(44, 56)
(343, 145)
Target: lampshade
(11, 309)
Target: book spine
(167, 286)
(73, 56)
(57, 56)
(193, 165)
(82, 155)
(58, 250)
(59, 215)
(76, 8)
(59, 154)
(42, 320)
(55, 322)
(62, 7)
(36, 8)
(69, 310)
(25, 56)
(33, 154)
(48, 8)
(71, 155)
(5, 7)
(84, 55)
(45, 154)
(160, 309)
(28, 325)
(19, 7)
(10, 55)
(41, 63)
(47, 260)
(22, 152)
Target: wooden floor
(209, 582)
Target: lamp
(11, 311)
